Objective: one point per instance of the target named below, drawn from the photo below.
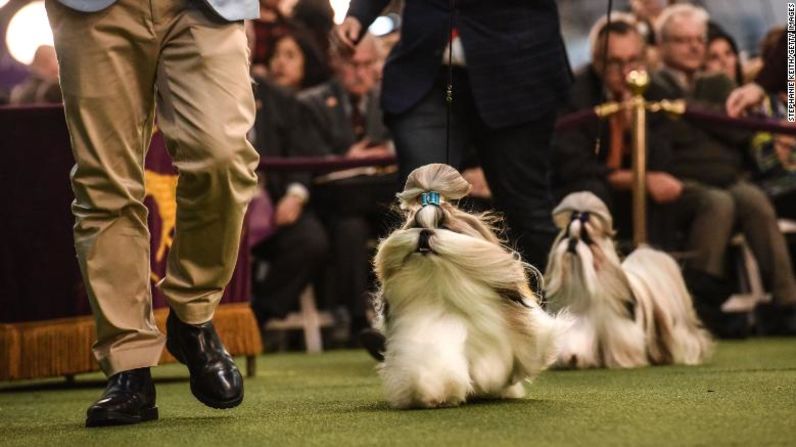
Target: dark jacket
(516, 61)
(328, 110)
(328, 115)
(713, 155)
(280, 132)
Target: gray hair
(682, 10)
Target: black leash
(449, 88)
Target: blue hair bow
(429, 198)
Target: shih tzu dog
(627, 313)
(454, 304)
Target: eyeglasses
(686, 40)
(363, 65)
(620, 65)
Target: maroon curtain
(39, 274)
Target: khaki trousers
(116, 64)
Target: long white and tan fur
(627, 313)
(459, 317)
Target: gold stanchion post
(639, 80)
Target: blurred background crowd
(713, 191)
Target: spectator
(775, 162)
(772, 79)
(42, 84)
(773, 155)
(297, 249)
(722, 54)
(709, 160)
(606, 173)
(646, 13)
(296, 62)
(648, 10)
(266, 30)
(346, 110)
(317, 16)
(576, 165)
(344, 115)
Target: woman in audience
(722, 54)
(771, 80)
(296, 62)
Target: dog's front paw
(516, 391)
(447, 402)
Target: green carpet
(745, 396)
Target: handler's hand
(344, 36)
(476, 178)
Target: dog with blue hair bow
(459, 318)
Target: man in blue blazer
(118, 60)
(510, 71)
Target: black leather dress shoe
(215, 380)
(374, 342)
(129, 398)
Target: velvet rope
(322, 164)
(566, 122)
(693, 113)
(756, 124)
(575, 119)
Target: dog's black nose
(422, 242)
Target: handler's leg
(205, 109)
(107, 62)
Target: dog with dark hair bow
(459, 318)
(627, 313)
